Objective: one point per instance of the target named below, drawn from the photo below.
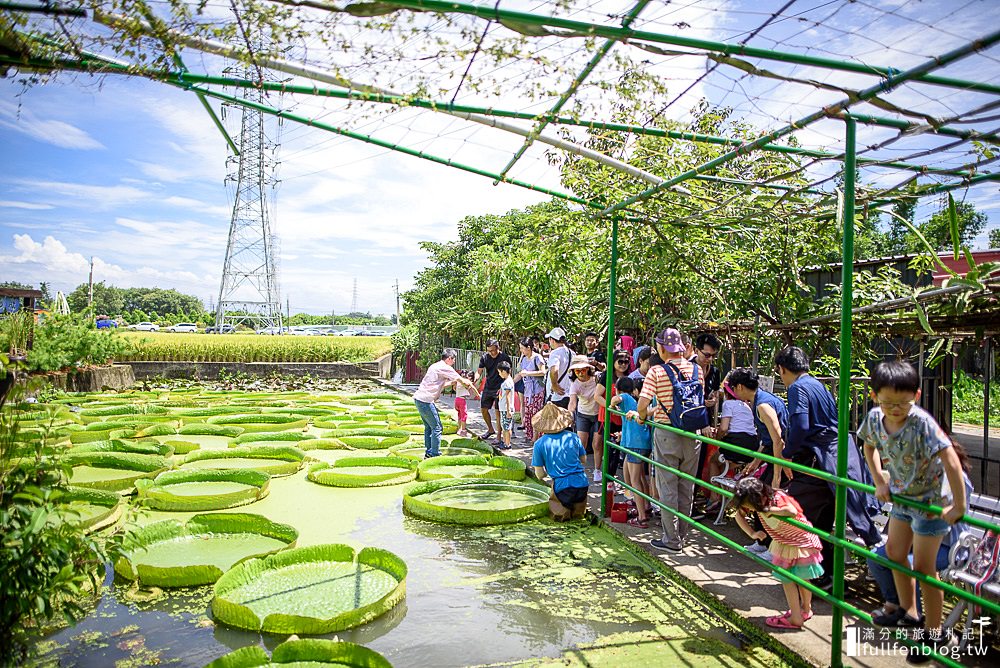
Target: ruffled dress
(792, 548)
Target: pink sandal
(781, 622)
(636, 522)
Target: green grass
(169, 347)
(968, 393)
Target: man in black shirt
(488, 366)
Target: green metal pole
(844, 387)
(609, 373)
(494, 13)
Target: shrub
(45, 564)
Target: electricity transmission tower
(249, 292)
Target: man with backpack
(678, 389)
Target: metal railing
(837, 539)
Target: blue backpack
(688, 412)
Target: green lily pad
(197, 552)
(203, 490)
(273, 460)
(304, 653)
(364, 472)
(477, 466)
(310, 590)
(477, 501)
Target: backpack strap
(675, 373)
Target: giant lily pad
(499, 468)
(271, 459)
(197, 552)
(310, 590)
(90, 509)
(113, 471)
(477, 502)
(272, 438)
(305, 652)
(150, 447)
(364, 472)
(203, 490)
(205, 429)
(418, 451)
(260, 422)
(372, 442)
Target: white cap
(557, 333)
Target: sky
(133, 173)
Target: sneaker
(756, 548)
(898, 618)
(698, 515)
(659, 544)
(597, 475)
(766, 555)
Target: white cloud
(49, 131)
(31, 206)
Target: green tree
(108, 300)
(937, 230)
(995, 238)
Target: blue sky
(132, 172)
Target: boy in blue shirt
(559, 454)
(636, 437)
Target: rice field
(170, 347)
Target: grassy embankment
(163, 346)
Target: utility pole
(90, 284)
(288, 308)
(397, 302)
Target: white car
(183, 327)
(346, 332)
(272, 331)
(302, 331)
(145, 327)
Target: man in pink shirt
(437, 377)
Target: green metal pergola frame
(888, 79)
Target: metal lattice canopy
(902, 94)
(513, 89)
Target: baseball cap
(557, 333)
(671, 341)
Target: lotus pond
(532, 593)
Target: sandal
(781, 622)
(636, 522)
(805, 617)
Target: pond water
(531, 592)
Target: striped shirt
(785, 533)
(657, 386)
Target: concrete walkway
(734, 580)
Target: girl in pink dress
(792, 547)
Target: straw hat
(552, 419)
(580, 362)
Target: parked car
(145, 327)
(347, 332)
(106, 323)
(272, 331)
(226, 329)
(183, 327)
(303, 331)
